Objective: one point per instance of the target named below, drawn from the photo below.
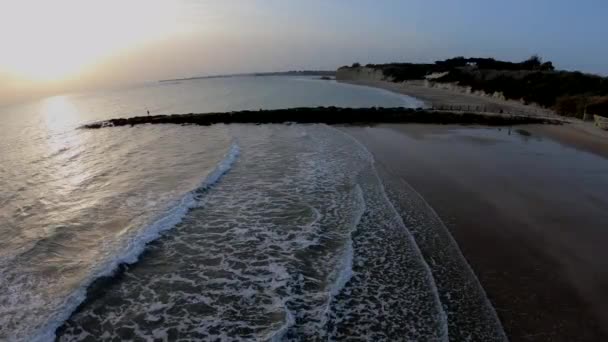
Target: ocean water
(228, 232)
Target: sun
(56, 40)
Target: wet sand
(578, 134)
(529, 209)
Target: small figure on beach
(147, 110)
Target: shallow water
(254, 232)
(269, 262)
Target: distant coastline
(323, 73)
(530, 82)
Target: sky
(51, 47)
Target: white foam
(410, 237)
(345, 269)
(345, 272)
(136, 245)
(235, 227)
(463, 260)
(429, 273)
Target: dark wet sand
(529, 211)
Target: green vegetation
(531, 81)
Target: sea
(219, 233)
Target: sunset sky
(55, 46)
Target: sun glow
(56, 40)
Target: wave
(430, 278)
(345, 271)
(136, 245)
(340, 276)
(461, 260)
(454, 326)
(409, 236)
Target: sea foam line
(345, 270)
(410, 237)
(430, 278)
(137, 244)
(462, 258)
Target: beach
(286, 171)
(527, 208)
(219, 226)
(444, 98)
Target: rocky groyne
(328, 115)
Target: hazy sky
(66, 45)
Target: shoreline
(580, 134)
(514, 210)
(446, 98)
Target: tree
(534, 62)
(547, 66)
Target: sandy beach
(443, 97)
(528, 209)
